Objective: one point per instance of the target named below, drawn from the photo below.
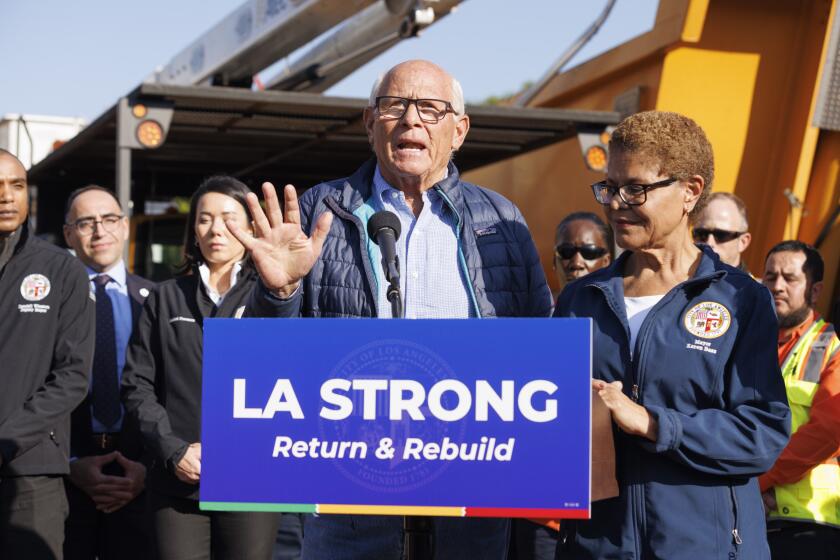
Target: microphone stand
(418, 537)
(395, 298)
(392, 275)
(417, 529)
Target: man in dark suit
(108, 510)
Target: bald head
(416, 126)
(14, 193)
(430, 72)
(8, 154)
(722, 224)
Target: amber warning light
(596, 158)
(150, 134)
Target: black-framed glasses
(566, 251)
(701, 235)
(86, 226)
(632, 194)
(430, 110)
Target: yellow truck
(762, 77)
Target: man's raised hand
(281, 251)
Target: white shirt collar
(204, 273)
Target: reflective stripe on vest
(816, 497)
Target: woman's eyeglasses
(632, 194)
(566, 251)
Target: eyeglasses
(701, 235)
(632, 194)
(430, 110)
(566, 251)
(86, 226)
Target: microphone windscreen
(383, 219)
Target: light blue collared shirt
(431, 280)
(117, 290)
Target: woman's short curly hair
(674, 141)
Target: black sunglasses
(701, 235)
(589, 252)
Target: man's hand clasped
(108, 492)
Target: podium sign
(487, 418)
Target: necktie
(106, 390)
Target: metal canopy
(283, 137)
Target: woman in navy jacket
(684, 356)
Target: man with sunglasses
(722, 225)
(464, 251)
(582, 244)
(46, 349)
(108, 512)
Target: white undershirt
(215, 297)
(637, 309)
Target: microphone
(384, 228)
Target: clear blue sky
(76, 58)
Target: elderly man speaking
(464, 252)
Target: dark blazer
(130, 443)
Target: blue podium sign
(405, 417)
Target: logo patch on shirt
(35, 287)
(144, 292)
(485, 231)
(708, 320)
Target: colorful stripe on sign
(529, 513)
(399, 510)
(393, 510)
(255, 506)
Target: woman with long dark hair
(162, 381)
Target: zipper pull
(635, 392)
(736, 536)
